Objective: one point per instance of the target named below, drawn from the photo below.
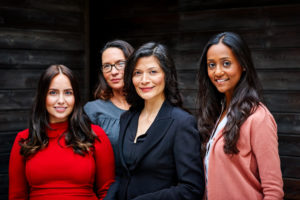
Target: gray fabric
(106, 115)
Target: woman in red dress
(62, 155)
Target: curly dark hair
(79, 135)
(245, 99)
(103, 91)
(166, 62)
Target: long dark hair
(79, 135)
(245, 99)
(103, 91)
(166, 62)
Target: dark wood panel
(16, 99)
(290, 167)
(288, 123)
(27, 79)
(190, 5)
(4, 160)
(41, 19)
(280, 79)
(289, 145)
(63, 5)
(283, 102)
(4, 186)
(6, 141)
(34, 57)
(23, 39)
(13, 120)
(291, 188)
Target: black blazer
(170, 165)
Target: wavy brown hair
(103, 91)
(79, 135)
(245, 99)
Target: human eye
(153, 71)
(226, 63)
(106, 67)
(69, 92)
(121, 64)
(137, 73)
(52, 92)
(211, 65)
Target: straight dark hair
(246, 96)
(103, 91)
(79, 135)
(165, 61)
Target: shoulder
(23, 134)
(98, 130)
(95, 103)
(261, 115)
(181, 115)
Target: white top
(214, 134)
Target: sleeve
(18, 186)
(264, 142)
(188, 165)
(105, 163)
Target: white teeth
(222, 80)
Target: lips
(221, 80)
(115, 80)
(146, 89)
(60, 109)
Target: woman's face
(149, 79)
(224, 70)
(114, 78)
(60, 99)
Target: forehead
(147, 62)
(112, 53)
(60, 81)
(219, 50)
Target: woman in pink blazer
(239, 133)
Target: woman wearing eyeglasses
(110, 101)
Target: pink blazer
(253, 173)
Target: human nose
(219, 71)
(145, 79)
(114, 69)
(61, 99)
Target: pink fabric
(255, 172)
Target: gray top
(106, 115)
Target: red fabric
(56, 172)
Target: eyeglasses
(118, 65)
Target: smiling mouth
(60, 109)
(221, 80)
(115, 80)
(147, 89)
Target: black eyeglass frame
(119, 65)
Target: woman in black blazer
(159, 141)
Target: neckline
(56, 129)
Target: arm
(188, 165)
(105, 163)
(265, 147)
(18, 186)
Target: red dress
(56, 172)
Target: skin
(224, 70)
(149, 82)
(115, 78)
(60, 99)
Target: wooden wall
(271, 28)
(33, 35)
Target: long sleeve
(188, 163)
(264, 142)
(18, 186)
(105, 163)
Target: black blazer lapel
(157, 130)
(124, 122)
